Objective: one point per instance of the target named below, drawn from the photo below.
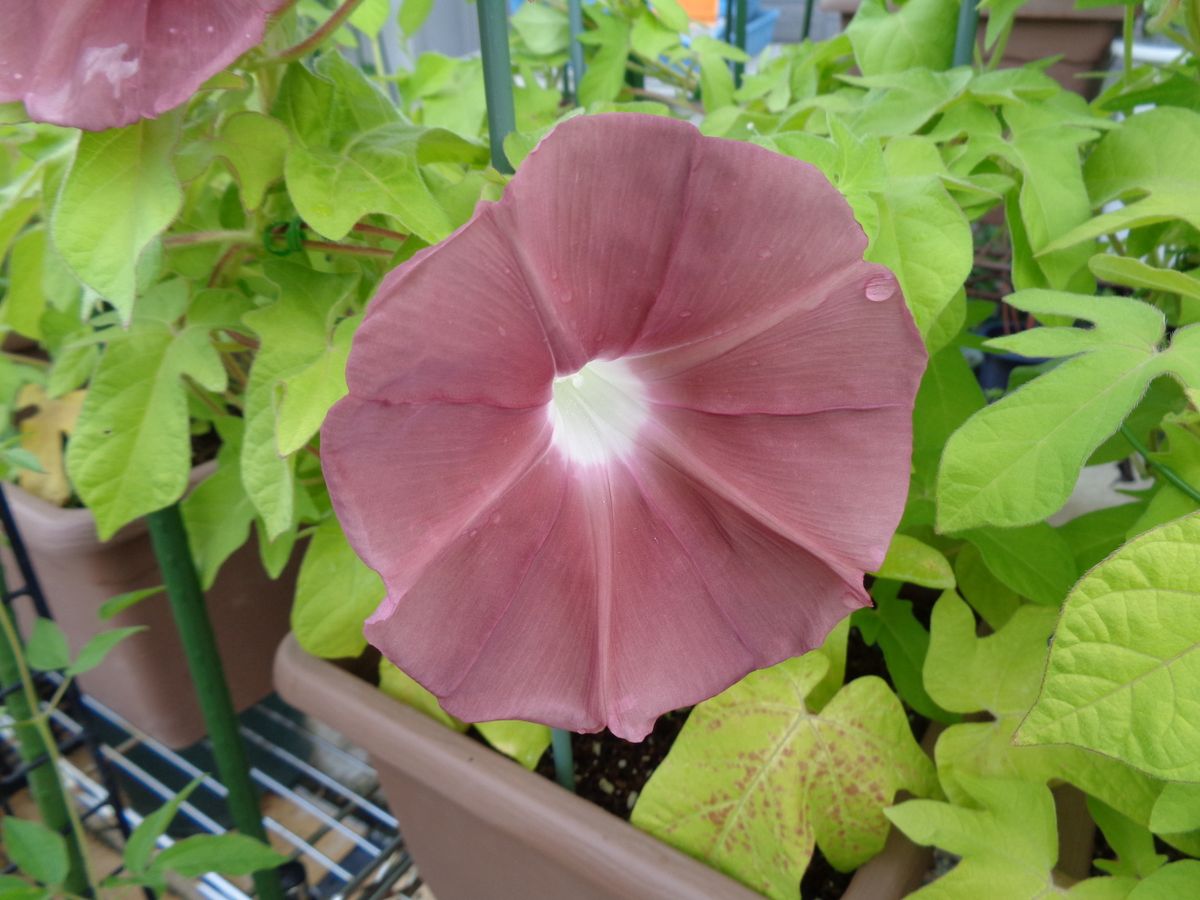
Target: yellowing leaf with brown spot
(42, 434)
(755, 778)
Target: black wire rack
(320, 797)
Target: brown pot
(481, 826)
(1047, 28)
(146, 679)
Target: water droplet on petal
(686, 314)
(503, 331)
(880, 287)
(764, 254)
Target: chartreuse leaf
(523, 741)
(1007, 836)
(904, 642)
(35, 849)
(1035, 561)
(1124, 670)
(217, 513)
(119, 195)
(924, 237)
(355, 155)
(1053, 198)
(293, 332)
(920, 35)
(948, 396)
(1182, 455)
(413, 14)
(131, 450)
(1136, 274)
(1177, 879)
(755, 778)
(1148, 162)
(255, 146)
(605, 72)
(335, 592)
(915, 562)
(400, 686)
(988, 595)
(1016, 461)
(1133, 843)
(961, 675)
(1177, 809)
(303, 399)
(1096, 534)
(543, 28)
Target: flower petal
(456, 323)
(833, 482)
(761, 232)
(838, 350)
(615, 600)
(97, 64)
(406, 480)
(594, 214)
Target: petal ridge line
(696, 470)
(491, 632)
(687, 553)
(740, 333)
(688, 196)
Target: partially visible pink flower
(97, 64)
(632, 432)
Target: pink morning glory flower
(633, 431)
(98, 64)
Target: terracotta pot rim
(42, 522)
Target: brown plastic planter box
(1047, 28)
(480, 826)
(145, 679)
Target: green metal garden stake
(739, 38)
(497, 78)
(964, 38)
(575, 49)
(208, 675)
(497, 89)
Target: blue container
(760, 25)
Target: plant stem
(204, 662)
(318, 37)
(1127, 39)
(36, 742)
(348, 249)
(740, 40)
(564, 758)
(574, 48)
(208, 237)
(1168, 474)
(497, 78)
(364, 228)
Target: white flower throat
(597, 412)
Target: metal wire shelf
(321, 802)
